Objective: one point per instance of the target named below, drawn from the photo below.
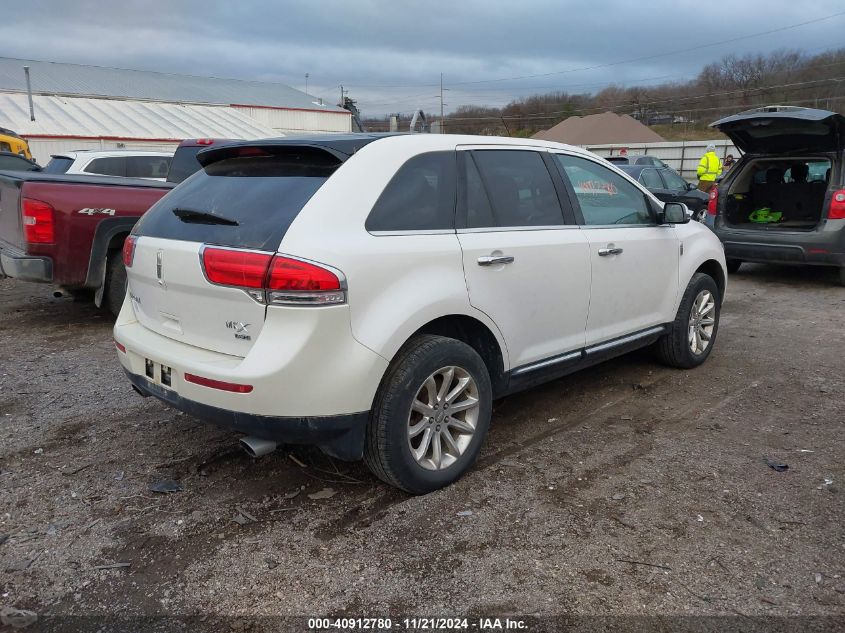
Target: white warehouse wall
(299, 121)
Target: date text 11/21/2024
(414, 624)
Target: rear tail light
(713, 202)
(274, 279)
(39, 221)
(205, 141)
(218, 384)
(243, 269)
(129, 250)
(837, 205)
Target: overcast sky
(390, 56)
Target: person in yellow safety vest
(709, 168)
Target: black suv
(784, 201)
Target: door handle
(493, 260)
(609, 250)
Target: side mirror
(691, 186)
(674, 213)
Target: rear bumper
(17, 264)
(341, 436)
(782, 254)
(822, 247)
(311, 381)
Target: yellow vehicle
(11, 142)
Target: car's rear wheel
(431, 415)
(693, 332)
(733, 265)
(842, 275)
(115, 282)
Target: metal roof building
(92, 107)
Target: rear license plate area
(159, 375)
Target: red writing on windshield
(598, 185)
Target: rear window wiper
(202, 217)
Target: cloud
(390, 54)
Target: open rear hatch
(198, 261)
(784, 129)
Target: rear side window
(58, 165)
(242, 202)
(519, 189)
(147, 166)
(113, 166)
(420, 197)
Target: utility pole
(306, 82)
(342, 91)
(441, 104)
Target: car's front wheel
(692, 334)
(431, 415)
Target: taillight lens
(296, 275)
(39, 221)
(837, 206)
(713, 202)
(280, 280)
(129, 250)
(243, 269)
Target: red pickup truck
(69, 230)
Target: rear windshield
(245, 202)
(58, 165)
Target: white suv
(373, 294)
(127, 163)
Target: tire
(675, 347)
(389, 444)
(842, 276)
(115, 283)
(733, 265)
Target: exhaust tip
(58, 294)
(257, 447)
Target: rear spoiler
(340, 147)
(213, 155)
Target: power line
(618, 104)
(619, 62)
(810, 66)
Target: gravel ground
(628, 489)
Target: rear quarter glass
(262, 194)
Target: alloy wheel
(443, 418)
(702, 322)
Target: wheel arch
(108, 237)
(477, 335)
(714, 269)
